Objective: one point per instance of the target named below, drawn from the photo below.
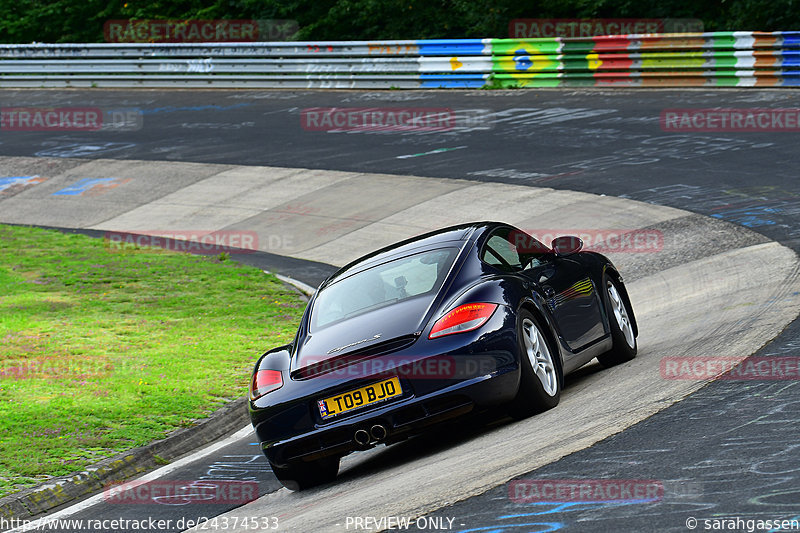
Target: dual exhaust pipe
(376, 434)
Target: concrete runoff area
(711, 289)
(328, 216)
(726, 305)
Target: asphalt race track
(718, 285)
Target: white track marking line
(150, 476)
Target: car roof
(456, 235)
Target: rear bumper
(403, 418)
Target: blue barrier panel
(453, 47)
(791, 39)
(453, 81)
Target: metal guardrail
(652, 60)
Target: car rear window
(413, 276)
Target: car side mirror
(566, 245)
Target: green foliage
(24, 21)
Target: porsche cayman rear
(391, 344)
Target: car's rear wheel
(300, 476)
(540, 380)
(620, 317)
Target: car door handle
(549, 291)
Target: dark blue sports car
(429, 329)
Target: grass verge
(104, 349)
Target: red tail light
(265, 381)
(463, 318)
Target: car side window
(512, 249)
(501, 252)
(532, 253)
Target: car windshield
(412, 276)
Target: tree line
(26, 21)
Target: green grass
(104, 349)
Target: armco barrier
(739, 59)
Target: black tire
(533, 396)
(301, 476)
(621, 351)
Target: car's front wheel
(300, 476)
(621, 321)
(540, 380)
